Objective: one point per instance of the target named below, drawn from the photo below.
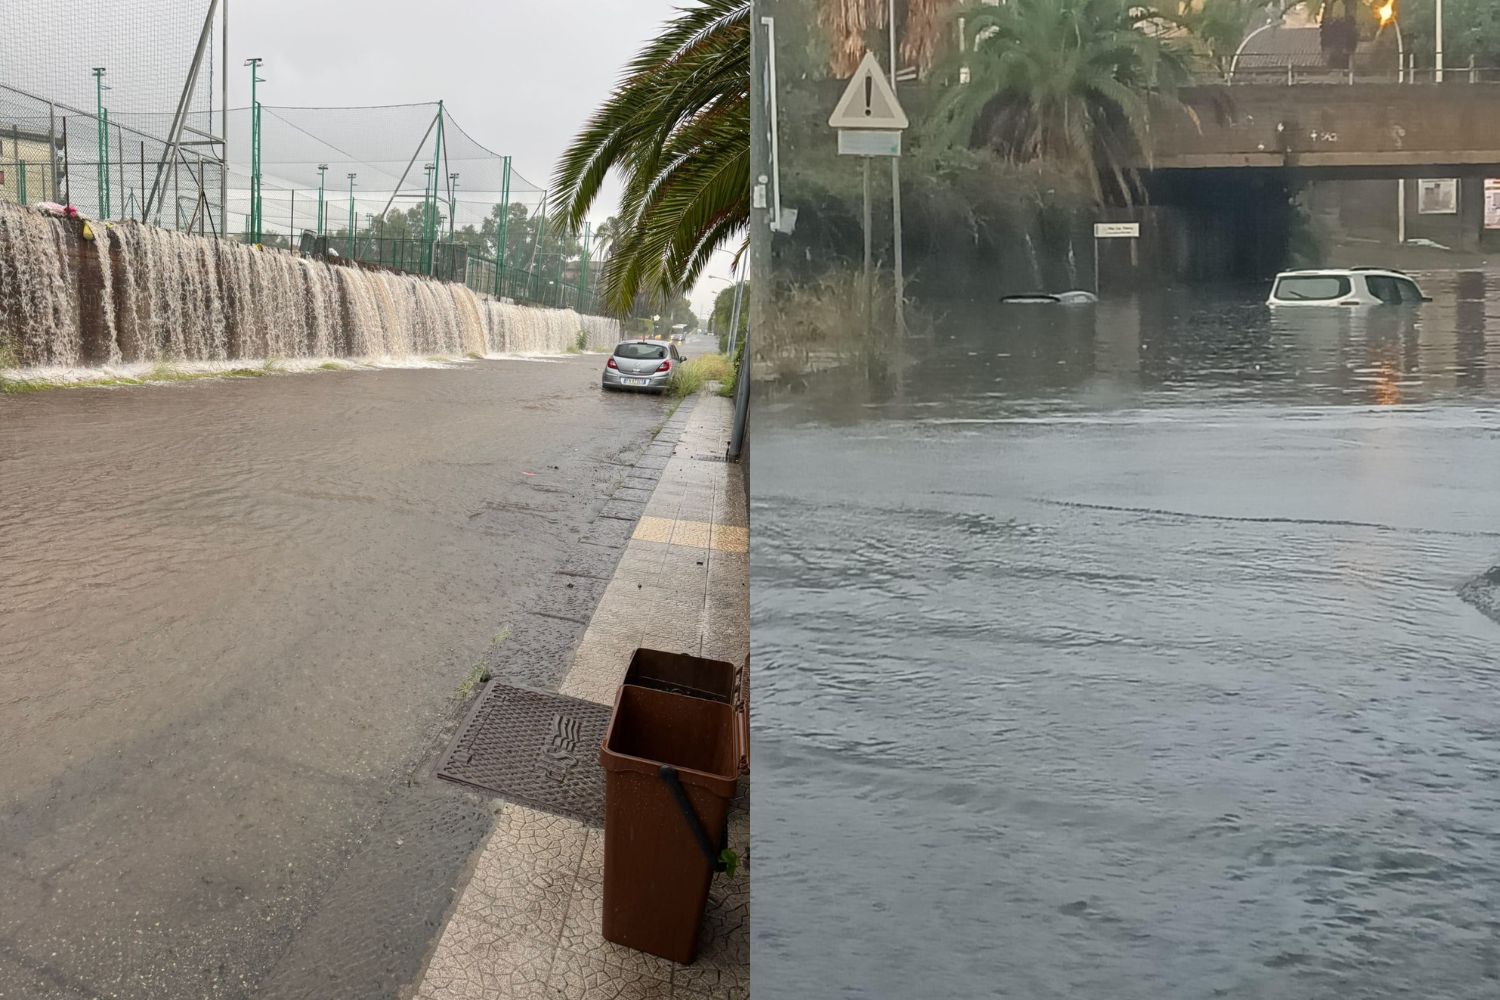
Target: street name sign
(1117, 230)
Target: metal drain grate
(533, 747)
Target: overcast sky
(521, 77)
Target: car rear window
(1312, 288)
(641, 352)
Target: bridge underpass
(1223, 177)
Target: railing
(542, 286)
(50, 151)
(1285, 75)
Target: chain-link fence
(52, 151)
(398, 186)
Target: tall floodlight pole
(351, 247)
(429, 233)
(429, 210)
(255, 202)
(102, 143)
(322, 175)
(452, 203)
(500, 234)
(224, 127)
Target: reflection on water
(1122, 653)
(1153, 348)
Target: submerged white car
(1356, 286)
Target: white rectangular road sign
(868, 101)
(1116, 230)
(868, 142)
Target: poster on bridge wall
(1437, 197)
(1492, 203)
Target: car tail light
(611, 363)
(666, 366)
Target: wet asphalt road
(234, 619)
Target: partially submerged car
(641, 364)
(1355, 286)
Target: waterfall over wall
(140, 294)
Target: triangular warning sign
(868, 101)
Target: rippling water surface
(1138, 653)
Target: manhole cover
(533, 747)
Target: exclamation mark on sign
(869, 92)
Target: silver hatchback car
(641, 364)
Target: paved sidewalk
(527, 924)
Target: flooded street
(1123, 654)
(234, 618)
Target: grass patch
(693, 374)
(474, 356)
(477, 676)
(582, 341)
(480, 673)
(332, 366)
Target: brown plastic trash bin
(683, 674)
(672, 762)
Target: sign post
(1111, 231)
(869, 121)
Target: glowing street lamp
(1387, 16)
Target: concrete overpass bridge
(1332, 130)
(1222, 177)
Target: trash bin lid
(742, 715)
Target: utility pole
(256, 219)
(896, 194)
(760, 229)
(101, 120)
(322, 176)
(1438, 30)
(351, 246)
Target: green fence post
(21, 179)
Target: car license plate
(636, 381)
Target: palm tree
(677, 127)
(850, 23)
(1064, 83)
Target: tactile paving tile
(534, 747)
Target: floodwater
(234, 619)
(1123, 654)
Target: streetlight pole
(322, 176)
(351, 246)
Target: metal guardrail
(1287, 76)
